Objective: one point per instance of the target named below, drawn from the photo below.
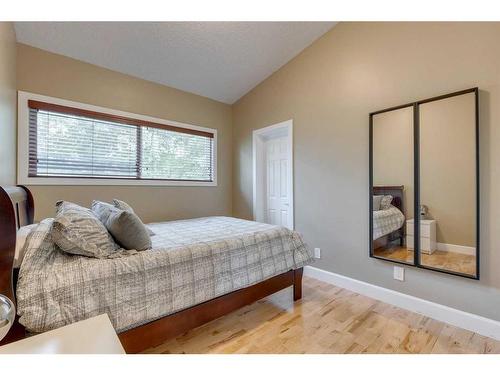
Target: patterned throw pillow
(385, 203)
(126, 207)
(125, 226)
(76, 230)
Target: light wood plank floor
(438, 259)
(327, 320)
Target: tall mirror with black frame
(392, 174)
(448, 183)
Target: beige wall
(7, 104)
(50, 74)
(329, 90)
(393, 153)
(447, 168)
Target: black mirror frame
(416, 181)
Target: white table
(427, 235)
(92, 336)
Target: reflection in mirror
(393, 194)
(448, 184)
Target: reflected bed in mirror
(389, 239)
(392, 181)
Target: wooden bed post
(297, 283)
(7, 244)
(8, 228)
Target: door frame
(260, 136)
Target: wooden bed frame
(17, 209)
(397, 193)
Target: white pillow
(22, 235)
(376, 202)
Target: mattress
(387, 221)
(192, 261)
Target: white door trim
(472, 322)
(284, 128)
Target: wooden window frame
(29, 100)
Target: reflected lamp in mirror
(7, 315)
(423, 211)
(448, 182)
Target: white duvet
(387, 221)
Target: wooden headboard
(395, 191)
(16, 209)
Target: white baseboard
(468, 250)
(483, 326)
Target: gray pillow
(376, 202)
(126, 207)
(76, 230)
(122, 205)
(125, 226)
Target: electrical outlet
(317, 252)
(399, 273)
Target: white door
(278, 197)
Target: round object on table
(7, 315)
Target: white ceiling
(219, 60)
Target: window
(69, 142)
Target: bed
(388, 225)
(197, 270)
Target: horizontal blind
(62, 144)
(175, 156)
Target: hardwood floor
(327, 320)
(457, 262)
